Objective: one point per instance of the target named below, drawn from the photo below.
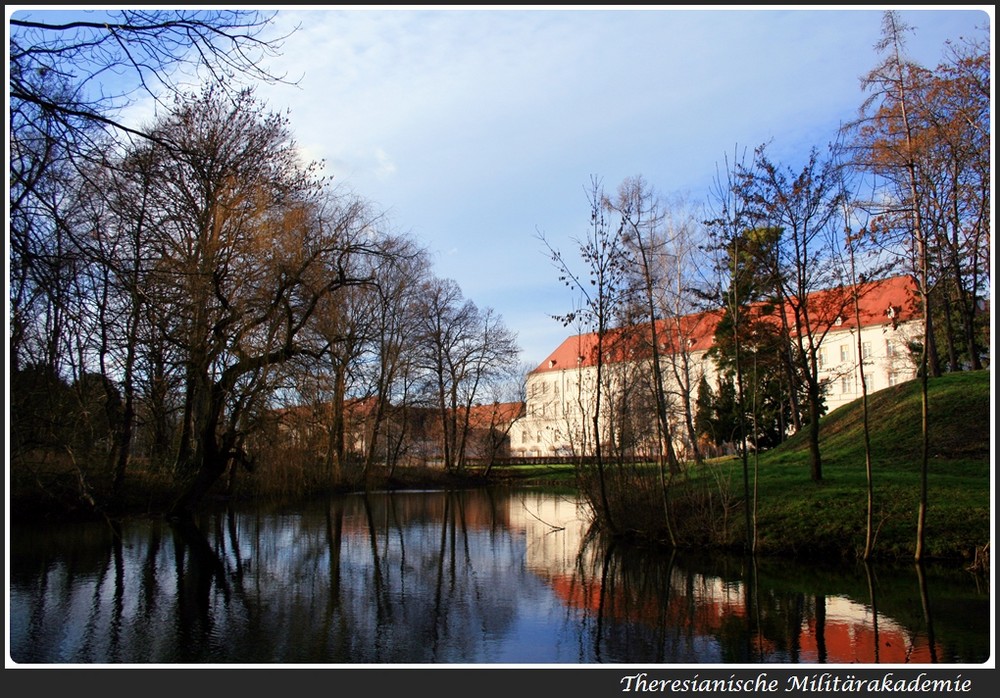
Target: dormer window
(890, 312)
(552, 363)
(839, 321)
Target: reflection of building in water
(554, 529)
(833, 629)
(848, 637)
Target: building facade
(561, 395)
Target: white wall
(560, 403)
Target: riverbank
(790, 514)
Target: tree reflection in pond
(470, 577)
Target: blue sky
(477, 129)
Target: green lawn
(797, 515)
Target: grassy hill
(797, 515)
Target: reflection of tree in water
(632, 606)
(453, 577)
(310, 582)
(464, 601)
(198, 570)
(425, 592)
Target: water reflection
(466, 577)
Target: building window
(893, 378)
(866, 350)
(847, 384)
(890, 348)
(845, 353)
(820, 358)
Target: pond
(506, 577)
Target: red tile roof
(891, 300)
(495, 414)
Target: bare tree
(803, 209)
(855, 245)
(393, 346)
(642, 222)
(249, 241)
(493, 361)
(447, 332)
(75, 74)
(344, 320)
(953, 146)
(68, 86)
(732, 291)
(886, 143)
(463, 348)
(504, 404)
(922, 137)
(678, 303)
(118, 254)
(602, 287)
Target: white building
(560, 392)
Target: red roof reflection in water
(847, 635)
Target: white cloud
(385, 167)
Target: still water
(466, 577)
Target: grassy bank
(795, 516)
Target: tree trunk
(212, 466)
(207, 460)
(335, 449)
(815, 460)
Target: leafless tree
(70, 75)
(642, 222)
(729, 289)
(602, 286)
(249, 242)
(68, 86)
(463, 349)
(803, 209)
(886, 143)
(678, 301)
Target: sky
(478, 130)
